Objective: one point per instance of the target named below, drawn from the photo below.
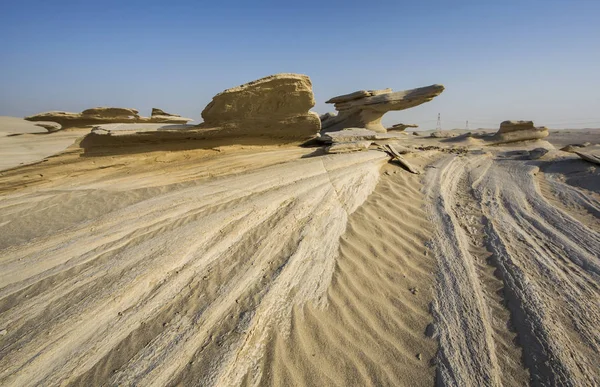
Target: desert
(297, 229)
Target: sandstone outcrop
(365, 108)
(103, 115)
(514, 131)
(402, 127)
(274, 106)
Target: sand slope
(547, 264)
(165, 264)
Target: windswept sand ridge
(547, 261)
(373, 330)
(185, 271)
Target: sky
(499, 60)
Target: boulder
(515, 131)
(365, 108)
(274, 106)
(402, 127)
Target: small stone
(419, 356)
(3, 332)
(414, 290)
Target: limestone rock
(275, 106)
(347, 147)
(49, 126)
(365, 108)
(402, 127)
(514, 131)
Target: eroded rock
(103, 115)
(365, 108)
(515, 131)
(49, 126)
(402, 127)
(274, 106)
(347, 147)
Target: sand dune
(278, 265)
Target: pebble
(3, 332)
(419, 356)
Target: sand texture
(231, 263)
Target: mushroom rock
(514, 131)
(402, 127)
(365, 108)
(274, 106)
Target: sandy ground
(166, 264)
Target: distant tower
(438, 127)
(467, 125)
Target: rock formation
(160, 116)
(274, 106)
(514, 131)
(590, 153)
(537, 153)
(365, 108)
(49, 126)
(402, 127)
(103, 115)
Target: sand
(254, 263)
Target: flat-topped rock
(274, 106)
(365, 108)
(110, 112)
(516, 131)
(103, 115)
(349, 135)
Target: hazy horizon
(535, 61)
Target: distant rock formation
(103, 115)
(514, 131)
(161, 117)
(402, 127)
(274, 106)
(365, 108)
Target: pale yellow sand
(275, 265)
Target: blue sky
(499, 60)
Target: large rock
(103, 115)
(274, 106)
(365, 108)
(515, 131)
